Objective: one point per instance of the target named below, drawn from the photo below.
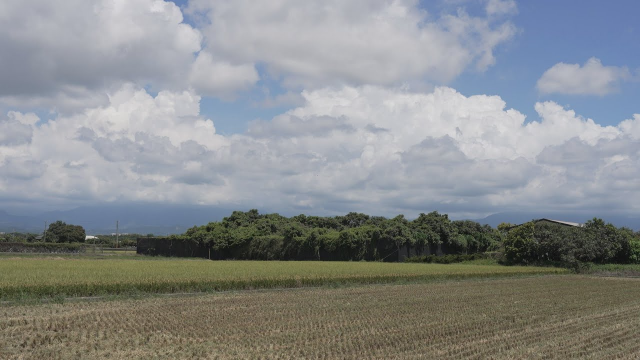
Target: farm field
(46, 277)
(550, 317)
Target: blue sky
(465, 106)
(570, 32)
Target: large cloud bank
(362, 148)
(122, 83)
(66, 55)
(354, 42)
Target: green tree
(396, 233)
(519, 246)
(608, 243)
(504, 227)
(293, 241)
(60, 231)
(438, 224)
(634, 250)
(353, 219)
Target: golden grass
(533, 318)
(41, 277)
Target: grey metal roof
(561, 222)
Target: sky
(467, 107)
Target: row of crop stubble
(551, 317)
(48, 277)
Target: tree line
(355, 236)
(57, 232)
(63, 233)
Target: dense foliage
(57, 232)
(18, 237)
(355, 236)
(62, 232)
(595, 242)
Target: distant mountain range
(176, 219)
(138, 218)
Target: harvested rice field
(50, 277)
(542, 317)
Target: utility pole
(44, 237)
(117, 235)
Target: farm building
(559, 222)
(551, 221)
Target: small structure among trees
(558, 222)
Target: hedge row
(41, 247)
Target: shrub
(265, 247)
(519, 246)
(634, 251)
(447, 259)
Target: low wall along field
(47, 277)
(42, 247)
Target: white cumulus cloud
(344, 149)
(349, 42)
(66, 55)
(17, 128)
(592, 78)
(501, 7)
(220, 78)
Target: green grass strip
(48, 278)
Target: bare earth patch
(552, 317)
